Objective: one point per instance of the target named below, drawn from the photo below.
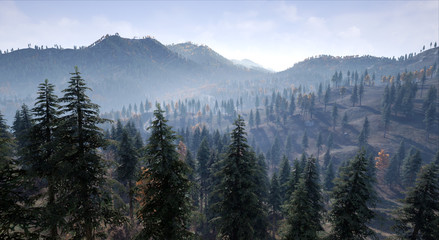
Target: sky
(275, 34)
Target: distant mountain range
(121, 70)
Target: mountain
(250, 64)
(321, 68)
(119, 70)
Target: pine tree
(410, 168)
(275, 202)
(418, 218)
(22, 127)
(393, 172)
(305, 207)
(326, 158)
(16, 219)
(87, 204)
(430, 115)
(361, 91)
(44, 145)
(364, 134)
(292, 106)
(352, 194)
(294, 179)
(284, 178)
(126, 170)
(258, 118)
(163, 186)
(329, 176)
(385, 116)
(251, 119)
(239, 207)
(203, 175)
(354, 96)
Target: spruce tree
(16, 219)
(344, 121)
(127, 166)
(393, 172)
(319, 143)
(203, 176)
(251, 120)
(163, 186)
(88, 206)
(327, 96)
(354, 96)
(294, 179)
(352, 194)
(364, 134)
(284, 178)
(239, 207)
(45, 164)
(306, 206)
(275, 202)
(410, 168)
(304, 141)
(258, 118)
(418, 218)
(329, 176)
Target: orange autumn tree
(382, 161)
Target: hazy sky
(276, 34)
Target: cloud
(288, 12)
(352, 32)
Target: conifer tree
(251, 119)
(292, 106)
(326, 158)
(429, 119)
(87, 204)
(294, 179)
(393, 172)
(126, 170)
(410, 168)
(364, 134)
(45, 164)
(329, 176)
(203, 174)
(239, 207)
(351, 197)
(354, 96)
(275, 202)
(284, 178)
(16, 219)
(305, 207)
(361, 91)
(163, 186)
(258, 118)
(418, 218)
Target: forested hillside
(333, 148)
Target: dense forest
(352, 155)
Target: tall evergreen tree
(329, 176)
(284, 178)
(393, 172)
(275, 202)
(306, 206)
(163, 186)
(410, 168)
(126, 170)
(364, 134)
(16, 219)
(327, 96)
(258, 118)
(251, 120)
(203, 176)
(418, 218)
(352, 195)
(87, 204)
(319, 143)
(344, 121)
(354, 96)
(45, 164)
(239, 206)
